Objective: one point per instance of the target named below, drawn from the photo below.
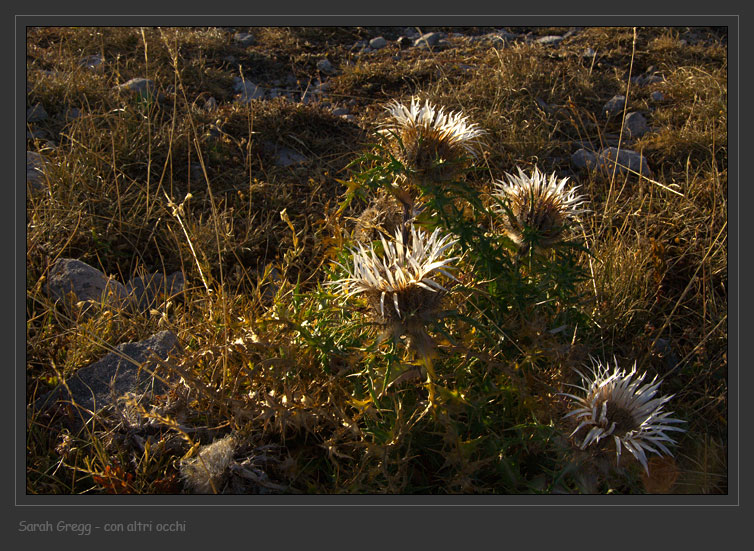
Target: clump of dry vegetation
(280, 384)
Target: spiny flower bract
(618, 406)
(536, 204)
(403, 267)
(431, 143)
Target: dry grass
(270, 356)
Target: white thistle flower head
(401, 285)
(432, 144)
(618, 408)
(538, 207)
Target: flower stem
(430, 379)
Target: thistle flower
(617, 406)
(400, 285)
(537, 208)
(432, 144)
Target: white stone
(550, 40)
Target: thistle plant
(536, 210)
(401, 285)
(617, 408)
(392, 267)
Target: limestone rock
(287, 157)
(549, 40)
(126, 370)
(247, 90)
(325, 66)
(141, 87)
(583, 158)
(87, 284)
(244, 39)
(150, 290)
(429, 40)
(625, 159)
(614, 106)
(35, 171)
(36, 113)
(94, 62)
(636, 125)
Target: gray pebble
(583, 158)
(35, 171)
(625, 159)
(93, 62)
(550, 40)
(244, 39)
(429, 40)
(141, 87)
(248, 90)
(614, 105)
(37, 134)
(72, 114)
(36, 113)
(289, 157)
(325, 66)
(636, 125)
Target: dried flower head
(204, 473)
(400, 284)
(536, 209)
(432, 144)
(383, 216)
(618, 408)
